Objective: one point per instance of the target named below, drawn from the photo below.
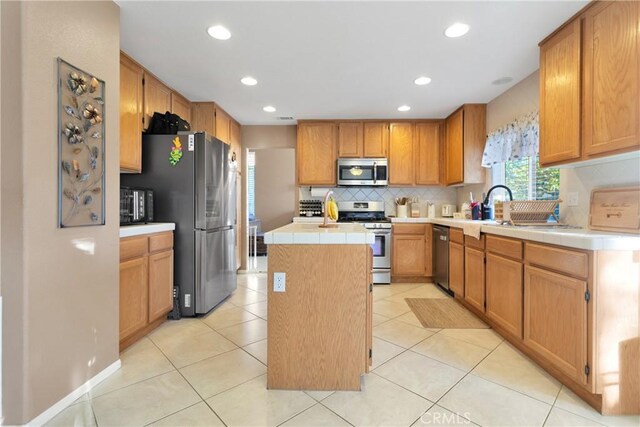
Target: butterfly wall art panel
(81, 140)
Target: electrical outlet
(279, 280)
(572, 198)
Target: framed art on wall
(81, 161)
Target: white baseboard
(74, 395)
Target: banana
(333, 210)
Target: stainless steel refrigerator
(198, 194)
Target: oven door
(382, 249)
(362, 172)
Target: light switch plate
(279, 280)
(572, 198)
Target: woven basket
(523, 212)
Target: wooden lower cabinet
(456, 269)
(504, 293)
(474, 277)
(555, 320)
(409, 255)
(146, 284)
(160, 284)
(133, 296)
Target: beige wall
(275, 186)
(255, 138)
(61, 302)
(520, 99)
(523, 98)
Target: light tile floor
(211, 371)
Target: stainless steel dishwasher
(441, 256)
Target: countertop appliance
(371, 215)
(198, 194)
(372, 172)
(136, 205)
(448, 210)
(310, 207)
(441, 256)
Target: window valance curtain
(515, 140)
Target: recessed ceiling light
(502, 81)
(269, 109)
(421, 81)
(249, 81)
(404, 108)
(456, 30)
(219, 32)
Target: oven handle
(382, 232)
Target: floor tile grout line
(243, 349)
(333, 412)
(173, 413)
(191, 385)
(403, 387)
(552, 405)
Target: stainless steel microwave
(363, 172)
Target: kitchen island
(319, 324)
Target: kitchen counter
(139, 229)
(310, 234)
(579, 238)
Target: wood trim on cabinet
(456, 268)
(456, 235)
(160, 284)
(474, 278)
(475, 137)
(132, 247)
(160, 241)
(376, 139)
(558, 259)
(409, 228)
(131, 114)
(350, 139)
(504, 292)
(472, 242)
(510, 248)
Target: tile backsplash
(436, 195)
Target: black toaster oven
(136, 205)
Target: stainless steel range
(371, 215)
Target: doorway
(271, 187)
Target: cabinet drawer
(506, 247)
(562, 260)
(161, 241)
(133, 247)
(472, 242)
(456, 235)
(409, 228)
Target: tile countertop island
(320, 317)
(579, 238)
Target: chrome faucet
(485, 208)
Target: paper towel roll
(319, 192)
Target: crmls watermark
(440, 419)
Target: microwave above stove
(363, 172)
(136, 205)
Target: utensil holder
(401, 211)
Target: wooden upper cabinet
(611, 77)
(316, 154)
(454, 153)
(560, 96)
(181, 106)
(203, 117)
(223, 121)
(464, 144)
(131, 75)
(157, 98)
(427, 153)
(376, 139)
(401, 159)
(555, 320)
(350, 139)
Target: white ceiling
(339, 59)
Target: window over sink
(526, 179)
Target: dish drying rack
(526, 212)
